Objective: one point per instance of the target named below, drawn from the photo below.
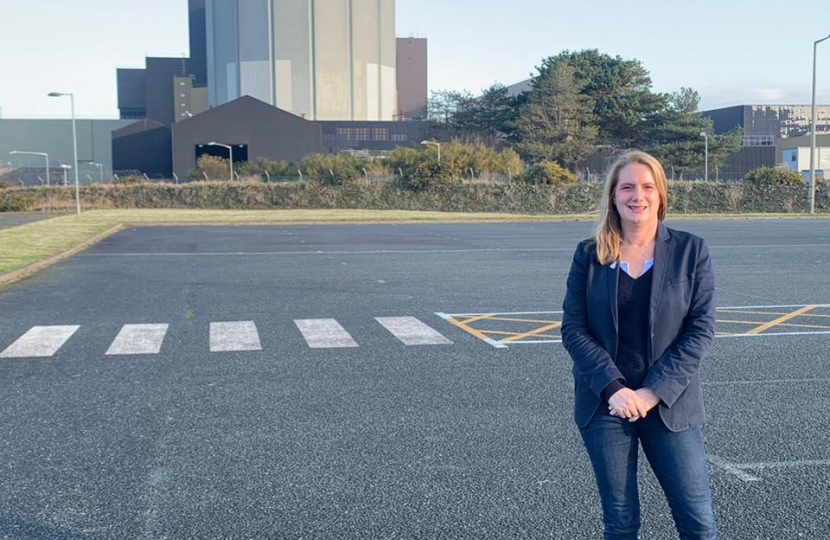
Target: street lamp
(65, 168)
(44, 154)
(436, 144)
(705, 156)
(74, 148)
(813, 133)
(100, 170)
(230, 153)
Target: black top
(633, 300)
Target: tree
(556, 122)
(675, 136)
(623, 103)
(444, 104)
(486, 116)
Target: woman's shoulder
(684, 237)
(587, 246)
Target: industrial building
(332, 60)
(334, 63)
(54, 137)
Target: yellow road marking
(779, 320)
(474, 319)
(466, 328)
(780, 324)
(488, 332)
(531, 333)
(770, 313)
(521, 320)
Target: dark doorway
(240, 152)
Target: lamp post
(230, 153)
(705, 156)
(65, 168)
(100, 170)
(425, 143)
(813, 133)
(44, 154)
(74, 148)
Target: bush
(335, 170)
(431, 175)
(215, 167)
(547, 173)
(126, 180)
(774, 176)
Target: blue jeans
(677, 459)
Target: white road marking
(39, 342)
(823, 380)
(785, 464)
(324, 334)
(731, 468)
(234, 336)
(138, 339)
(411, 331)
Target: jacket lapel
(662, 256)
(613, 278)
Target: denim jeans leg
(612, 448)
(679, 463)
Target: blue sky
(731, 52)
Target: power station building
(320, 60)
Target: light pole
(705, 156)
(230, 153)
(44, 154)
(65, 168)
(74, 148)
(100, 170)
(436, 144)
(813, 133)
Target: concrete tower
(319, 59)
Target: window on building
(380, 134)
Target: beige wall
(331, 59)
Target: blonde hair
(608, 233)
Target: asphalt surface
(381, 440)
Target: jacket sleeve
(592, 363)
(673, 371)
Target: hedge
(684, 197)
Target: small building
(253, 129)
(793, 153)
(144, 146)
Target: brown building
(412, 78)
(253, 128)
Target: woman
(639, 318)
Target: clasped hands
(632, 404)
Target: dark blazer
(681, 324)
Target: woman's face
(636, 196)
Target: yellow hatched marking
(521, 320)
(751, 312)
(771, 313)
(466, 328)
(498, 332)
(531, 333)
(795, 325)
(474, 319)
(779, 320)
